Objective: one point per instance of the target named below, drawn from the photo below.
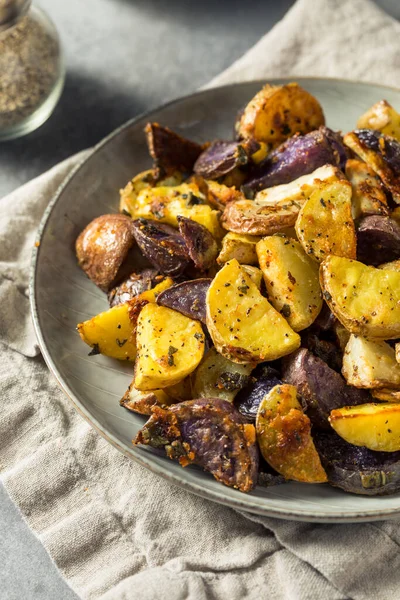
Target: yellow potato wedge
(218, 377)
(239, 246)
(386, 395)
(370, 364)
(284, 436)
(254, 273)
(142, 181)
(325, 225)
(375, 426)
(112, 332)
(382, 117)
(169, 347)
(366, 300)
(279, 111)
(143, 402)
(291, 279)
(165, 204)
(368, 197)
(242, 323)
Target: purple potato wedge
(201, 245)
(299, 155)
(134, 285)
(378, 240)
(356, 469)
(326, 350)
(381, 153)
(208, 432)
(162, 245)
(249, 398)
(188, 298)
(103, 246)
(220, 158)
(170, 151)
(320, 387)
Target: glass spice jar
(31, 68)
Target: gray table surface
(122, 57)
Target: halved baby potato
(370, 364)
(375, 426)
(243, 325)
(169, 347)
(291, 279)
(366, 300)
(284, 436)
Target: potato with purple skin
(221, 158)
(378, 240)
(188, 298)
(249, 398)
(103, 246)
(200, 244)
(170, 151)
(162, 245)
(134, 285)
(208, 432)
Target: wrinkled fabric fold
(115, 530)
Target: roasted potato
(279, 111)
(218, 377)
(242, 323)
(209, 432)
(134, 285)
(386, 394)
(169, 347)
(381, 153)
(143, 402)
(103, 246)
(378, 240)
(364, 299)
(275, 209)
(143, 180)
(200, 244)
(220, 158)
(239, 246)
(170, 151)
(325, 225)
(326, 350)
(370, 364)
(165, 204)
(374, 426)
(181, 390)
(298, 156)
(355, 469)
(249, 398)
(219, 195)
(188, 298)
(381, 117)
(321, 388)
(368, 197)
(112, 332)
(291, 279)
(162, 245)
(254, 273)
(284, 436)
(394, 265)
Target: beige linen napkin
(115, 530)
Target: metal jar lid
(11, 11)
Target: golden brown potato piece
(291, 279)
(279, 111)
(368, 196)
(220, 195)
(366, 300)
(370, 364)
(141, 181)
(373, 426)
(386, 395)
(244, 326)
(325, 225)
(239, 246)
(143, 402)
(284, 436)
(381, 117)
(102, 247)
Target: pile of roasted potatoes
(255, 285)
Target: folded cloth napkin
(115, 530)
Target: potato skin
(249, 398)
(188, 298)
(221, 158)
(200, 244)
(170, 151)
(378, 240)
(134, 285)
(208, 432)
(277, 112)
(321, 388)
(102, 247)
(358, 470)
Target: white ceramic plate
(62, 296)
